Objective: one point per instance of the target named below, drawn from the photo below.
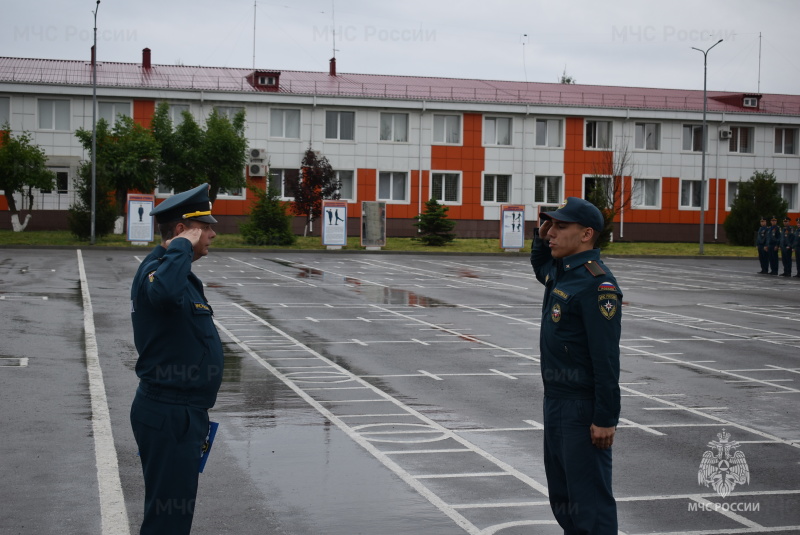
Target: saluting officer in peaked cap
(192, 205)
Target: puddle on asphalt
(383, 295)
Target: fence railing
(235, 81)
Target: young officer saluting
(180, 362)
(579, 346)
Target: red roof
(112, 74)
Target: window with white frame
(598, 185)
(282, 181)
(789, 194)
(496, 188)
(446, 187)
(53, 114)
(598, 134)
(176, 112)
(647, 136)
(394, 127)
(392, 186)
(733, 189)
(111, 111)
(228, 111)
(62, 183)
(646, 193)
(547, 189)
(548, 132)
(340, 125)
(693, 137)
(741, 140)
(785, 140)
(497, 130)
(347, 185)
(284, 123)
(691, 193)
(447, 129)
(230, 193)
(5, 110)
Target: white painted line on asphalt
(113, 513)
(432, 376)
(498, 372)
(645, 428)
(460, 475)
(22, 362)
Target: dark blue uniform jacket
(580, 331)
(180, 353)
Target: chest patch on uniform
(561, 293)
(555, 313)
(151, 276)
(606, 287)
(609, 303)
(201, 306)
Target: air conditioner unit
(258, 169)
(258, 154)
(725, 134)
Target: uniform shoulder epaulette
(594, 268)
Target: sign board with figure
(373, 224)
(334, 223)
(512, 226)
(140, 222)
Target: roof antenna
(333, 21)
(254, 34)
(759, 62)
(524, 66)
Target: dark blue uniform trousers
(578, 474)
(170, 437)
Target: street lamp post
(94, 126)
(704, 141)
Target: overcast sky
(616, 42)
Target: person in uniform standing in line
(796, 245)
(180, 362)
(787, 243)
(773, 244)
(579, 346)
(762, 241)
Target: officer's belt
(166, 395)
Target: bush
(269, 224)
(80, 213)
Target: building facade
(472, 144)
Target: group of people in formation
(773, 239)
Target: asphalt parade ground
(385, 394)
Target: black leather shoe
(764, 273)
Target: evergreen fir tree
(434, 227)
(269, 224)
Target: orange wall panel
(143, 111)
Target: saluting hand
(544, 228)
(191, 234)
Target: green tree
(434, 227)
(80, 214)
(317, 182)
(757, 197)
(269, 224)
(191, 155)
(126, 159)
(21, 165)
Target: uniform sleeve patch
(609, 304)
(607, 287)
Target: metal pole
(704, 142)
(94, 127)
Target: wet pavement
(393, 394)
